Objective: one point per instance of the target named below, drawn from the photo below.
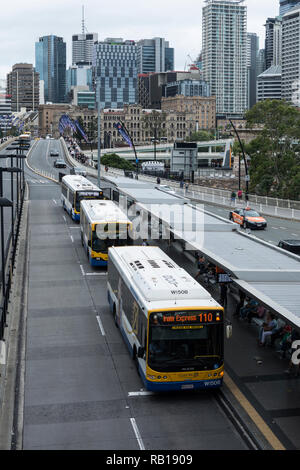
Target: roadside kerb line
(137, 434)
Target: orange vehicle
(248, 218)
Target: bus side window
(116, 196)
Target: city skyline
(17, 44)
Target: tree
(115, 161)
(275, 162)
(200, 136)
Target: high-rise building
(224, 46)
(187, 88)
(269, 41)
(79, 75)
(115, 71)
(24, 87)
(277, 38)
(5, 108)
(286, 5)
(82, 48)
(154, 55)
(50, 60)
(290, 55)
(252, 51)
(269, 84)
(261, 61)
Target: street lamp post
(99, 130)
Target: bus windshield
(185, 341)
(107, 235)
(80, 195)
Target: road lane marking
(54, 201)
(253, 414)
(140, 394)
(72, 239)
(137, 434)
(64, 218)
(82, 270)
(100, 325)
(295, 234)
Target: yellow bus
(103, 225)
(173, 327)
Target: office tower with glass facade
(50, 60)
(154, 55)
(224, 46)
(24, 87)
(115, 72)
(286, 5)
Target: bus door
(119, 307)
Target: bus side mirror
(141, 352)
(228, 331)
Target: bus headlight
(221, 374)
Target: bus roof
(79, 183)
(98, 212)
(157, 278)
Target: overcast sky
(178, 21)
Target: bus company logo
(296, 353)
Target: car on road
(248, 218)
(59, 163)
(165, 187)
(292, 246)
(54, 153)
(78, 171)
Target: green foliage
(115, 161)
(275, 161)
(200, 136)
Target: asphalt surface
(82, 390)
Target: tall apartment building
(286, 5)
(252, 51)
(269, 41)
(24, 88)
(154, 55)
(82, 48)
(50, 60)
(115, 70)
(5, 108)
(291, 55)
(224, 44)
(260, 61)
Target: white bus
(172, 326)
(75, 188)
(103, 225)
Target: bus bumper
(97, 262)
(75, 217)
(181, 386)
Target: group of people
(269, 330)
(249, 308)
(75, 150)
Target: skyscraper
(24, 87)
(290, 82)
(252, 51)
(286, 5)
(154, 55)
(82, 45)
(115, 70)
(50, 60)
(224, 53)
(5, 108)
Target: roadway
(82, 390)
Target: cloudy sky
(22, 22)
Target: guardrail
(268, 206)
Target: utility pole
(99, 130)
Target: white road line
(295, 234)
(72, 238)
(95, 274)
(283, 228)
(82, 270)
(275, 228)
(64, 218)
(100, 325)
(54, 201)
(139, 394)
(137, 434)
